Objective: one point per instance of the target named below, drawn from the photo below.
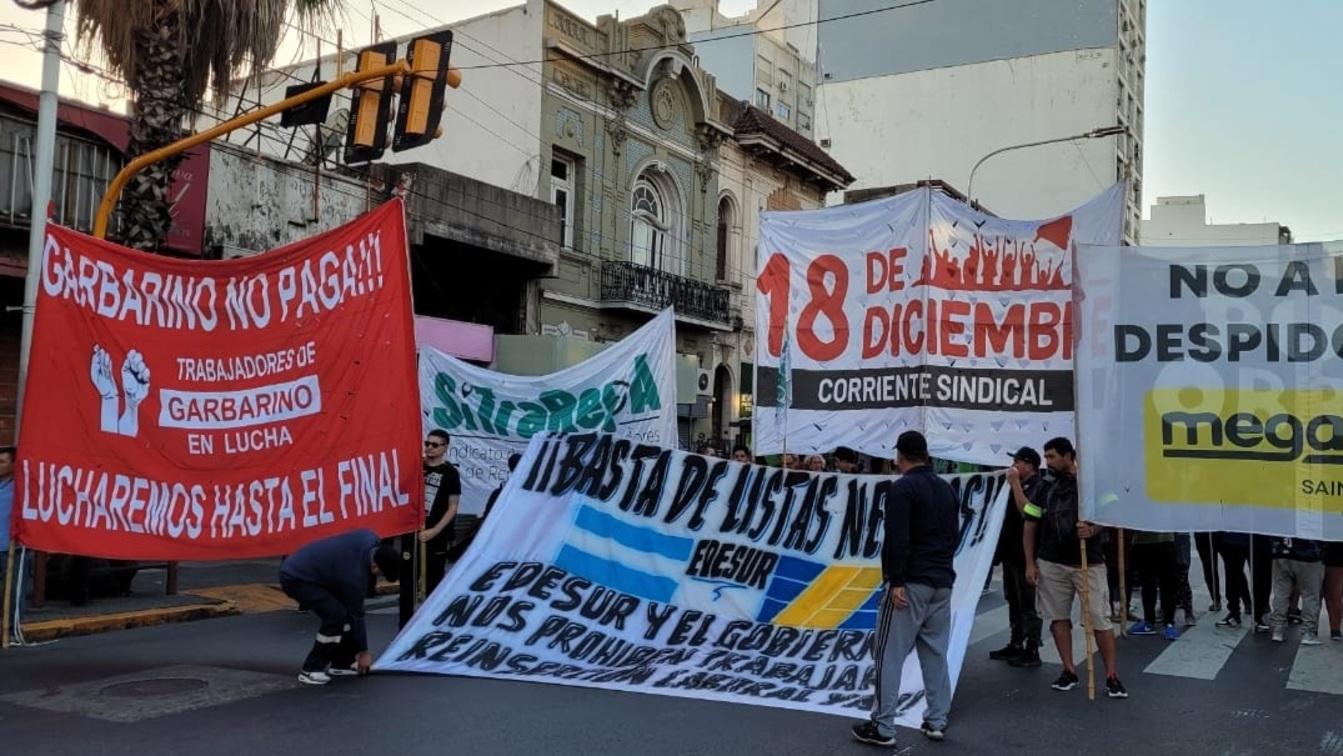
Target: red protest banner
(214, 410)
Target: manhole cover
(162, 686)
(149, 693)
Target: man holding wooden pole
(1059, 568)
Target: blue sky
(1244, 104)
(1244, 101)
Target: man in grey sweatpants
(922, 527)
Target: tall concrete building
(925, 91)
(1183, 222)
(757, 59)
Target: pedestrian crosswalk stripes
(1049, 652)
(990, 623)
(1318, 668)
(1200, 652)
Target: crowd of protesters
(1288, 578)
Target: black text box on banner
(924, 386)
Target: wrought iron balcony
(652, 289)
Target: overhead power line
(735, 35)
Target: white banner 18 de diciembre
(628, 389)
(917, 312)
(611, 564)
(1210, 388)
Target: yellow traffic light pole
(399, 68)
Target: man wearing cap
(1028, 487)
(922, 528)
(330, 578)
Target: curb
(229, 601)
(49, 630)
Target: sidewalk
(205, 590)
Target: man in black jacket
(330, 578)
(1028, 487)
(922, 527)
(1053, 541)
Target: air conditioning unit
(704, 383)
(783, 85)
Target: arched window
(726, 220)
(655, 222)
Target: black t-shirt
(1010, 546)
(440, 482)
(1056, 538)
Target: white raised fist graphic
(100, 372)
(135, 378)
(134, 386)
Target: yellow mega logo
(1254, 447)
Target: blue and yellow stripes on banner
(807, 594)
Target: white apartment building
(1183, 222)
(926, 91)
(773, 70)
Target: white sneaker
(1277, 635)
(334, 671)
(316, 677)
(1310, 639)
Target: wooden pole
(423, 582)
(9, 595)
(1086, 621)
(1123, 586)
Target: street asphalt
(133, 692)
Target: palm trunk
(158, 83)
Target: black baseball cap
(912, 444)
(1028, 455)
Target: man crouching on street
(330, 578)
(922, 520)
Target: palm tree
(172, 53)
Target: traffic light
(370, 107)
(421, 106)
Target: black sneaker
(1029, 657)
(931, 732)
(1067, 681)
(1230, 620)
(1114, 688)
(1006, 653)
(867, 732)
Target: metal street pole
(45, 158)
(1104, 131)
(42, 167)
